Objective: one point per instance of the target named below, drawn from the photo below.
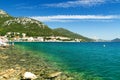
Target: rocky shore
(19, 65)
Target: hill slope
(23, 25)
(67, 33)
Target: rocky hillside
(31, 27)
(3, 14)
(23, 25)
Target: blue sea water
(97, 59)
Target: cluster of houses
(20, 37)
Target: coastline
(44, 41)
(19, 62)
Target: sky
(98, 19)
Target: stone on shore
(7, 74)
(2, 56)
(29, 75)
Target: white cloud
(67, 4)
(115, 1)
(76, 3)
(27, 7)
(66, 18)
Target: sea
(99, 59)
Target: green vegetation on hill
(67, 33)
(8, 24)
(32, 27)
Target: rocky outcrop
(23, 21)
(3, 14)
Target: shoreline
(19, 61)
(14, 64)
(43, 41)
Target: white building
(40, 39)
(24, 35)
(30, 39)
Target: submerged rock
(55, 74)
(22, 60)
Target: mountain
(67, 33)
(23, 25)
(32, 27)
(115, 40)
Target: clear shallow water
(91, 58)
